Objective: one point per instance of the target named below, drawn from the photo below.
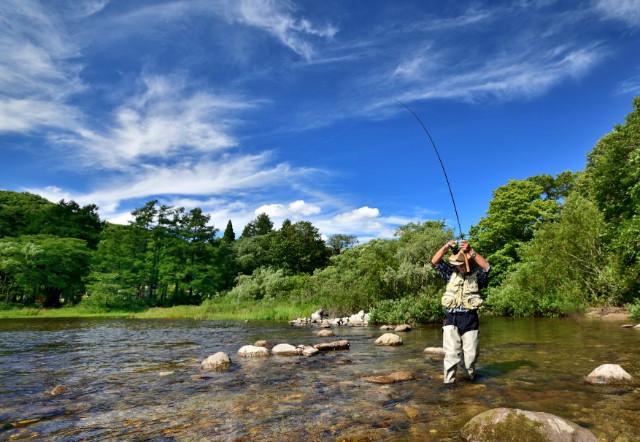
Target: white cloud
(630, 86)
(627, 11)
(164, 121)
(362, 216)
(36, 77)
(290, 31)
(291, 210)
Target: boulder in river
(251, 351)
(325, 333)
(335, 345)
(389, 339)
(505, 424)
(216, 362)
(285, 350)
(608, 374)
(307, 350)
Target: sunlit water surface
(141, 380)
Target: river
(129, 379)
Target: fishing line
(455, 209)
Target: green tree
(262, 225)
(47, 267)
(339, 242)
(229, 235)
(612, 180)
(297, 248)
(515, 212)
(563, 268)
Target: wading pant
(459, 350)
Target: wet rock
(608, 374)
(262, 343)
(325, 324)
(307, 350)
(397, 376)
(513, 424)
(325, 333)
(335, 345)
(387, 327)
(251, 351)
(438, 351)
(627, 325)
(389, 339)
(402, 328)
(637, 326)
(318, 315)
(340, 321)
(300, 322)
(357, 319)
(285, 350)
(58, 389)
(216, 362)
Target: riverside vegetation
(556, 244)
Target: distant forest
(555, 243)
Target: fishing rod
(455, 209)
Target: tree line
(556, 243)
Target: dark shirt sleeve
(444, 269)
(483, 277)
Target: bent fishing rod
(455, 209)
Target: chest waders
(460, 334)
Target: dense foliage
(555, 244)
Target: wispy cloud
(36, 76)
(629, 86)
(204, 178)
(626, 11)
(276, 18)
(164, 121)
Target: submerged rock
(397, 376)
(608, 374)
(325, 333)
(389, 339)
(251, 351)
(439, 351)
(216, 362)
(58, 389)
(505, 424)
(402, 328)
(263, 343)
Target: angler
(466, 273)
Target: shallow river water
(141, 380)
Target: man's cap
(457, 259)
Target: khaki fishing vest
(462, 291)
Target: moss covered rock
(501, 424)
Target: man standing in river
(466, 273)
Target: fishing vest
(462, 291)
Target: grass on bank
(223, 309)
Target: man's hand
(464, 246)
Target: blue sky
(289, 107)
